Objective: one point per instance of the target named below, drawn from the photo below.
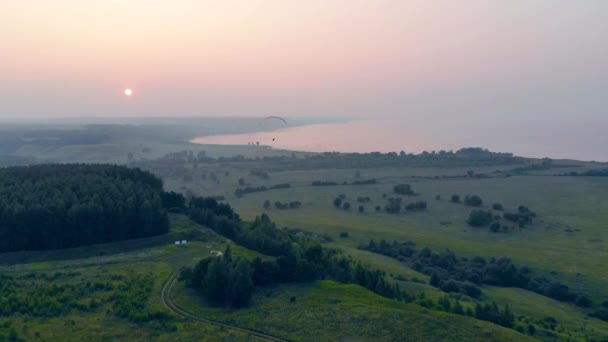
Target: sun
(128, 92)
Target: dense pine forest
(59, 206)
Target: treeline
(323, 183)
(590, 173)
(60, 206)
(451, 273)
(251, 189)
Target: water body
(581, 141)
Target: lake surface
(582, 141)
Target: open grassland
(568, 237)
(567, 241)
(329, 311)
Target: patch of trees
(473, 201)
(223, 280)
(260, 174)
(251, 189)
(522, 217)
(416, 206)
(287, 205)
(297, 257)
(451, 273)
(61, 206)
(404, 189)
(324, 183)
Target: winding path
(166, 299)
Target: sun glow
(128, 92)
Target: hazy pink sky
(421, 58)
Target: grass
(546, 245)
(329, 311)
(564, 243)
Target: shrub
(344, 235)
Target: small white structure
(177, 242)
(184, 242)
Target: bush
(344, 235)
(473, 201)
(337, 202)
(455, 199)
(420, 205)
(346, 206)
(404, 189)
(497, 206)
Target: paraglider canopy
(276, 118)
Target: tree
(346, 206)
(216, 281)
(361, 209)
(435, 280)
(495, 227)
(240, 284)
(344, 235)
(338, 202)
(497, 206)
(228, 254)
(479, 218)
(455, 199)
(267, 204)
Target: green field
(567, 242)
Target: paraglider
(277, 118)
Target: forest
(59, 206)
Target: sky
(439, 60)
